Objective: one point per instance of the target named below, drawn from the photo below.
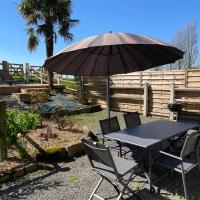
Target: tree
(186, 39)
(47, 18)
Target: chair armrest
(98, 134)
(170, 155)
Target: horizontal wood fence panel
(127, 91)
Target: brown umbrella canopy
(112, 53)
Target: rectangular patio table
(150, 134)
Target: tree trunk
(49, 50)
(3, 138)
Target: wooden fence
(148, 92)
(26, 73)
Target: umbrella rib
(83, 50)
(150, 59)
(106, 54)
(85, 60)
(70, 61)
(161, 55)
(134, 58)
(61, 59)
(97, 59)
(122, 59)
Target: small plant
(18, 121)
(62, 122)
(165, 198)
(48, 134)
(21, 147)
(72, 179)
(53, 92)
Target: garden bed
(48, 138)
(50, 135)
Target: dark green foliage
(18, 121)
(21, 148)
(62, 122)
(49, 19)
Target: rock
(75, 149)
(31, 168)
(4, 178)
(53, 154)
(19, 172)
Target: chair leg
(184, 185)
(96, 188)
(125, 186)
(198, 160)
(113, 184)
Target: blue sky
(157, 18)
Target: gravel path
(75, 181)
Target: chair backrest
(132, 119)
(99, 154)
(191, 117)
(191, 142)
(109, 125)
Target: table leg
(150, 172)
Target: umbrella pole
(108, 95)
(108, 83)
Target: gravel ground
(75, 180)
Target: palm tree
(47, 18)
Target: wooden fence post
(145, 107)
(172, 97)
(186, 78)
(3, 138)
(80, 87)
(58, 79)
(6, 75)
(27, 67)
(41, 76)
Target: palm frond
(33, 41)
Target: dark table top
(149, 134)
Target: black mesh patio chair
(187, 117)
(132, 119)
(109, 126)
(111, 169)
(190, 117)
(183, 163)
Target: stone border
(18, 172)
(73, 150)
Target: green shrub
(18, 121)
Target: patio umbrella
(112, 53)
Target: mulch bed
(46, 136)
